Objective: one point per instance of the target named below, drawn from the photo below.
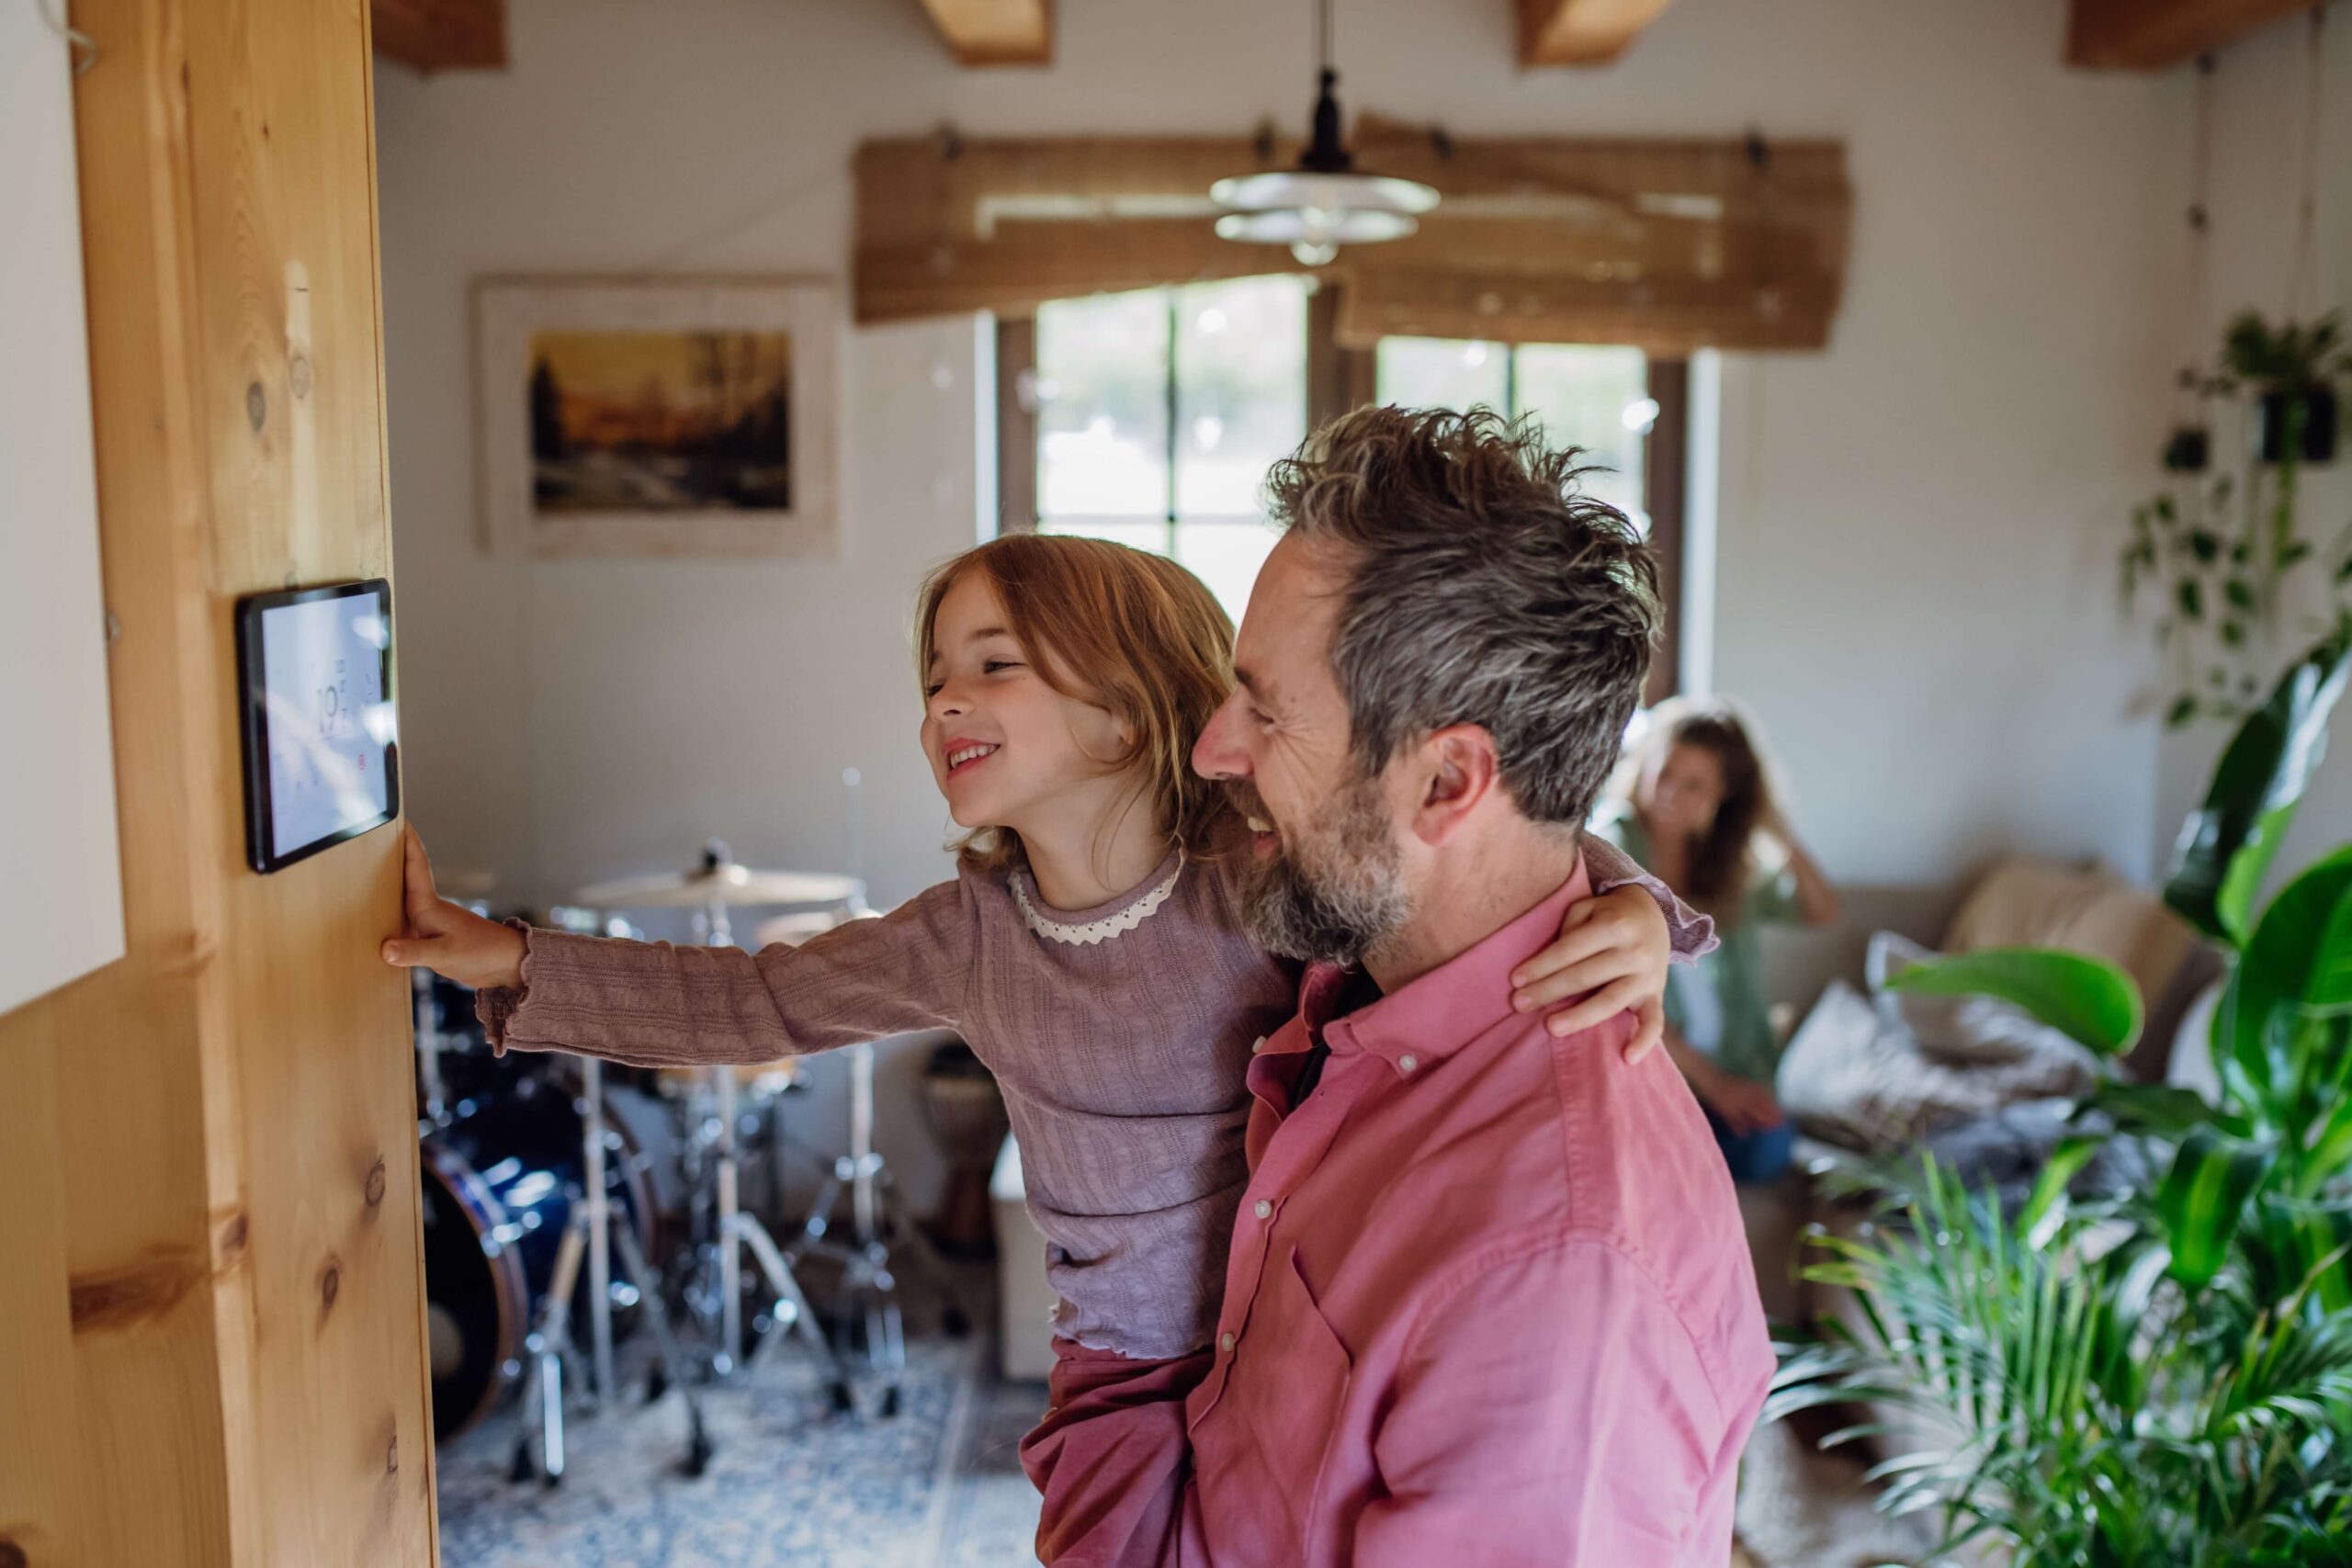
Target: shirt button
(1407, 1062)
(1257, 1044)
(1265, 1210)
(1225, 1341)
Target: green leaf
(2204, 1197)
(2298, 962)
(2045, 1209)
(2183, 710)
(2205, 545)
(2228, 843)
(2160, 1109)
(2285, 1239)
(2239, 592)
(2088, 999)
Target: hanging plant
(2224, 550)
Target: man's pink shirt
(1488, 1299)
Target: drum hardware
(710, 890)
(589, 1231)
(878, 1228)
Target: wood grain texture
(1582, 32)
(190, 1157)
(442, 35)
(995, 32)
(2155, 35)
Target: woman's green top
(1734, 973)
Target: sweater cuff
(495, 1006)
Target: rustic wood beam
(1582, 32)
(995, 32)
(2154, 35)
(442, 35)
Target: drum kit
(553, 1197)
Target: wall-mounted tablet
(321, 739)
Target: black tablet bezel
(260, 850)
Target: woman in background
(1694, 805)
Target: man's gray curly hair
(1484, 588)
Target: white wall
(2259, 105)
(1916, 528)
(59, 859)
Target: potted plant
(2293, 370)
(2223, 551)
(2141, 1377)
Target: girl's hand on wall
(448, 939)
(1615, 947)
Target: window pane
(1240, 390)
(1442, 373)
(1144, 536)
(1102, 406)
(1596, 397)
(1227, 556)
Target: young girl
(1090, 950)
(1694, 803)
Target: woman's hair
(1722, 862)
(1135, 634)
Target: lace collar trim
(1091, 933)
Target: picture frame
(656, 416)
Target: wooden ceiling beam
(1582, 32)
(2155, 35)
(442, 35)
(995, 32)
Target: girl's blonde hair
(1132, 633)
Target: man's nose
(1216, 755)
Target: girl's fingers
(1597, 1009)
(416, 873)
(1575, 980)
(1649, 1031)
(1576, 940)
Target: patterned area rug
(790, 1483)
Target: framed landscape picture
(656, 416)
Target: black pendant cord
(2303, 282)
(2201, 228)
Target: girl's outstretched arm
(653, 1004)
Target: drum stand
(589, 1232)
(877, 1227)
(737, 1230)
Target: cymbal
(724, 882)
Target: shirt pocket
(1301, 1383)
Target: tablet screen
(316, 665)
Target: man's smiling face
(1325, 882)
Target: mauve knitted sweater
(1119, 1035)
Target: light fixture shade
(1304, 188)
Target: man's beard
(1340, 895)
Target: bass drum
(500, 1183)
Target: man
(1488, 1299)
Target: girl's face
(1685, 792)
(1003, 743)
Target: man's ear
(1459, 772)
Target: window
(1151, 417)
(1158, 413)
(1583, 395)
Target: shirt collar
(1430, 1017)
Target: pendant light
(1327, 201)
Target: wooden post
(211, 1274)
